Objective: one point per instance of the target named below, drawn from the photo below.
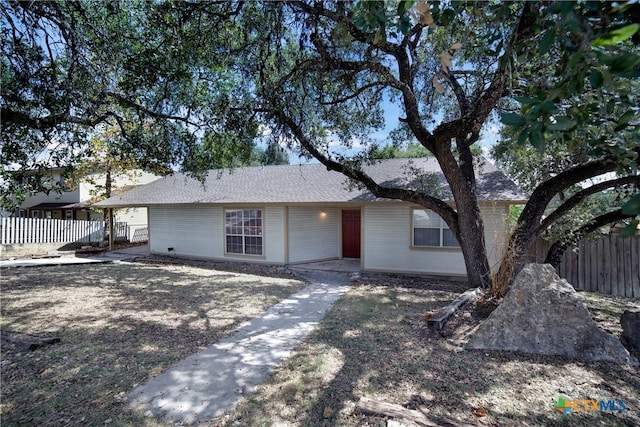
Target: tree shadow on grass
(386, 357)
(382, 350)
(119, 326)
(344, 352)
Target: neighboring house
(74, 202)
(302, 213)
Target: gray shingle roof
(307, 183)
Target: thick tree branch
(574, 200)
(542, 195)
(414, 120)
(558, 248)
(410, 42)
(356, 174)
(482, 106)
(458, 91)
(151, 113)
(50, 121)
(353, 95)
(333, 63)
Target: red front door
(351, 234)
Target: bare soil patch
(119, 325)
(375, 344)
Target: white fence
(33, 230)
(139, 235)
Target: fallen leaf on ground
(328, 412)
(480, 412)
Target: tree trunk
(472, 243)
(517, 254)
(460, 176)
(107, 193)
(556, 251)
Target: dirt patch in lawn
(119, 325)
(374, 343)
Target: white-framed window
(429, 230)
(243, 231)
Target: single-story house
(303, 213)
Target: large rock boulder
(630, 321)
(543, 314)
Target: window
(243, 229)
(431, 230)
(68, 214)
(35, 214)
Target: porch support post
(110, 229)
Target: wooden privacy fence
(608, 264)
(33, 230)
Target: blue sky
(392, 112)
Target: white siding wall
(191, 230)
(387, 231)
(312, 236)
(87, 191)
(274, 234)
(137, 177)
(84, 191)
(53, 196)
(199, 231)
(135, 218)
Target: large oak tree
(178, 76)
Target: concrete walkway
(119, 255)
(210, 383)
(345, 265)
